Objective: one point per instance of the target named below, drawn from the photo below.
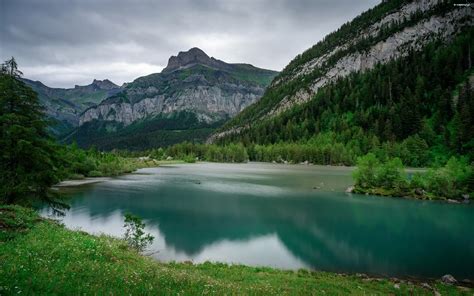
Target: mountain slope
(396, 81)
(207, 90)
(388, 31)
(64, 105)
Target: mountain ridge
(388, 31)
(64, 105)
(186, 81)
(193, 82)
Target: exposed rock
(66, 104)
(426, 286)
(397, 45)
(448, 279)
(453, 201)
(192, 57)
(350, 189)
(419, 191)
(337, 61)
(212, 103)
(192, 81)
(466, 282)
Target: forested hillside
(417, 105)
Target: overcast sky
(63, 43)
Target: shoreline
(98, 264)
(80, 182)
(381, 192)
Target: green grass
(41, 257)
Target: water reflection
(265, 215)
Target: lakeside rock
(448, 279)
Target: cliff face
(64, 105)
(193, 82)
(358, 46)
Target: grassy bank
(39, 256)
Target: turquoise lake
(283, 216)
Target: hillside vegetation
(419, 108)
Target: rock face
(448, 279)
(192, 57)
(66, 104)
(395, 46)
(192, 81)
(411, 26)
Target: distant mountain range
(400, 72)
(192, 81)
(64, 105)
(191, 97)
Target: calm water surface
(281, 216)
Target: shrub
(391, 174)
(189, 158)
(95, 174)
(365, 173)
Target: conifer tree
(28, 166)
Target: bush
(453, 180)
(189, 158)
(365, 173)
(391, 175)
(450, 181)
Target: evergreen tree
(28, 162)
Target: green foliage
(454, 180)
(135, 235)
(285, 84)
(391, 175)
(418, 108)
(77, 162)
(48, 259)
(450, 181)
(29, 165)
(190, 158)
(15, 220)
(189, 152)
(365, 174)
(160, 131)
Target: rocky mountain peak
(188, 58)
(98, 85)
(104, 84)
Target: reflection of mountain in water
(329, 231)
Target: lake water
(284, 216)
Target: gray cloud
(64, 43)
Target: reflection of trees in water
(329, 231)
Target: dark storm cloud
(63, 43)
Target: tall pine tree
(28, 155)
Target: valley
(350, 171)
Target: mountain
(398, 74)
(194, 88)
(64, 105)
